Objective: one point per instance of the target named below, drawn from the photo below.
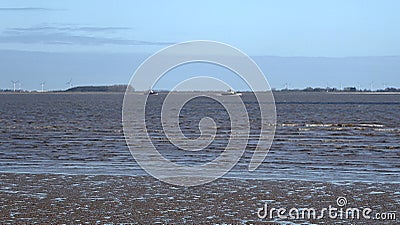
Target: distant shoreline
(217, 92)
(121, 88)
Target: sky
(103, 42)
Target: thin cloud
(71, 35)
(70, 39)
(25, 9)
(68, 28)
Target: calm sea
(319, 136)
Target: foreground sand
(76, 199)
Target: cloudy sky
(103, 42)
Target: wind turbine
(286, 86)
(15, 82)
(42, 84)
(69, 83)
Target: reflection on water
(319, 136)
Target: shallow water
(319, 136)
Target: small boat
(232, 92)
(151, 92)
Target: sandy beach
(80, 199)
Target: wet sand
(81, 199)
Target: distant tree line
(10, 90)
(113, 88)
(390, 89)
(346, 89)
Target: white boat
(232, 92)
(151, 92)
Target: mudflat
(82, 199)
